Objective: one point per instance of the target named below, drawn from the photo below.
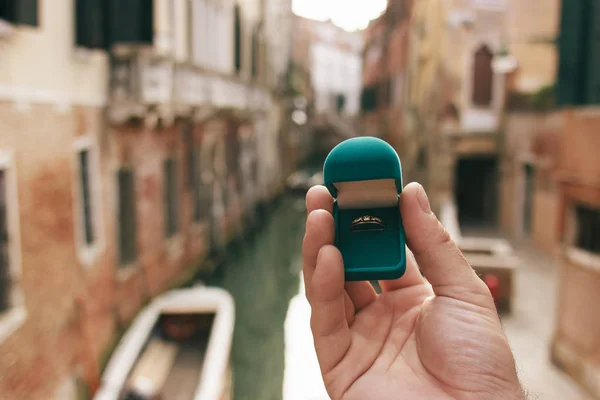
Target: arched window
(483, 77)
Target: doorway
(476, 191)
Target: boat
(177, 348)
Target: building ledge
(11, 320)
(575, 180)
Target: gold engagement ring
(367, 223)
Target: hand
(415, 340)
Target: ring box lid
(362, 159)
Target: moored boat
(178, 348)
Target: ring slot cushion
(364, 176)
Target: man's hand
(418, 339)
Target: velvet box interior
(364, 176)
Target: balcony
(480, 121)
(145, 84)
(192, 88)
(140, 83)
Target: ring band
(367, 223)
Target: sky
(348, 14)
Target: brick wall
(577, 336)
(579, 156)
(576, 344)
(74, 307)
(544, 221)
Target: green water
(262, 274)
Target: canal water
(262, 273)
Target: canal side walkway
(302, 377)
(529, 329)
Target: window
(90, 19)
(24, 12)
(340, 102)
(129, 22)
(588, 229)
(171, 197)
(12, 309)
(5, 281)
(89, 233)
(255, 55)
(88, 219)
(237, 37)
(127, 217)
(193, 175)
(579, 50)
(422, 159)
(188, 140)
(368, 98)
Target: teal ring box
(364, 176)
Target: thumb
(328, 322)
(440, 260)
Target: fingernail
(424, 200)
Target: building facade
(384, 76)
(333, 57)
(434, 88)
(129, 142)
(576, 341)
(532, 126)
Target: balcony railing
(141, 82)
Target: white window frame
(13, 318)
(88, 253)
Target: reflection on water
(262, 275)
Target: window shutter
(571, 65)
(238, 39)
(254, 53)
(131, 21)
(7, 10)
(26, 12)
(90, 24)
(593, 63)
(23, 12)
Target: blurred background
(154, 150)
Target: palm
(415, 340)
(410, 340)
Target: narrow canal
(262, 273)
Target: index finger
(318, 198)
